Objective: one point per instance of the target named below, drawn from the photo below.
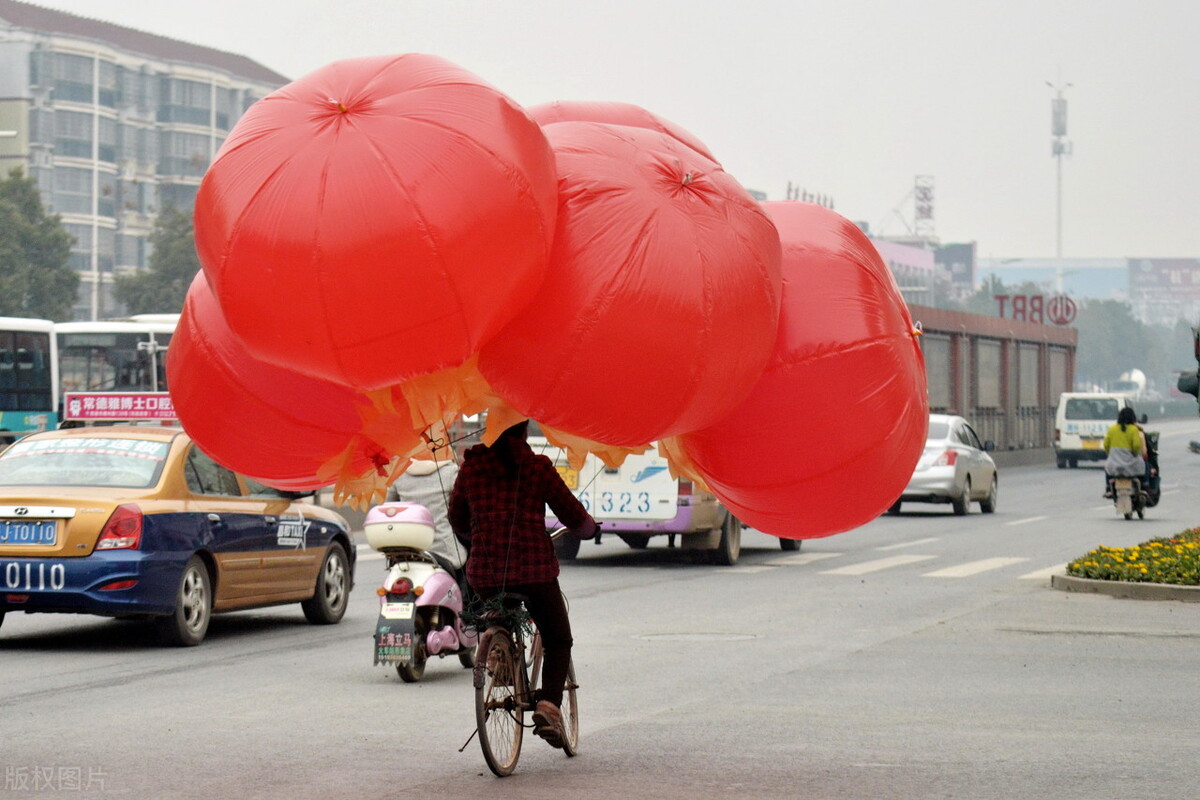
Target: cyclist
(498, 508)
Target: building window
(184, 154)
(188, 102)
(73, 192)
(73, 134)
(71, 77)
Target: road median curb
(1127, 589)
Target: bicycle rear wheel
(499, 712)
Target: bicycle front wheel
(570, 712)
(570, 705)
(499, 712)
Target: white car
(955, 468)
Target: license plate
(1091, 444)
(398, 610)
(31, 532)
(570, 476)
(1123, 483)
(393, 653)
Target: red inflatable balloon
(377, 219)
(276, 425)
(614, 113)
(659, 308)
(831, 432)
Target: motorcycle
(420, 601)
(1129, 496)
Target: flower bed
(1172, 560)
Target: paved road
(918, 656)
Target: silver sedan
(955, 468)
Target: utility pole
(1059, 149)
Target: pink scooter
(420, 602)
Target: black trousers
(548, 608)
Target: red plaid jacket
(503, 518)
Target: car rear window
(84, 461)
(938, 430)
(1092, 408)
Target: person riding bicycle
(498, 508)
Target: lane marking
(908, 544)
(800, 559)
(973, 567)
(1023, 521)
(877, 565)
(1043, 574)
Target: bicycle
(505, 683)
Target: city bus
(116, 355)
(28, 377)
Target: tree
(162, 288)
(1112, 341)
(36, 277)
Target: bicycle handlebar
(558, 532)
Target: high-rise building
(114, 124)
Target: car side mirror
(989, 445)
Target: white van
(1080, 423)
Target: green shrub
(1165, 560)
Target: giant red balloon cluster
(391, 242)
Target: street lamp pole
(1059, 148)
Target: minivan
(1080, 423)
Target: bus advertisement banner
(117, 406)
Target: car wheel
(730, 547)
(566, 547)
(1074, 462)
(962, 503)
(328, 603)
(1062, 463)
(638, 541)
(988, 504)
(790, 545)
(193, 607)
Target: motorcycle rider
(1124, 445)
(498, 507)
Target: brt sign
(1056, 310)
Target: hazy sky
(847, 98)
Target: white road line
(908, 544)
(1043, 574)
(973, 568)
(799, 559)
(876, 565)
(1023, 521)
